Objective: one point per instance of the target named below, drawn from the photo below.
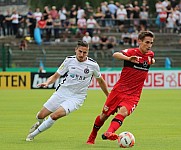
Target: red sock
(116, 123)
(97, 125)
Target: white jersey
(78, 76)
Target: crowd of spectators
(85, 22)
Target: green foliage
(155, 123)
(69, 3)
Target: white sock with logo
(44, 126)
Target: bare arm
(103, 85)
(121, 56)
(50, 80)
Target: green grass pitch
(155, 123)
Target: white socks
(44, 126)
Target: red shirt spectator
(54, 12)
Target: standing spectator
(66, 31)
(121, 14)
(37, 14)
(143, 19)
(54, 12)
(175, 3)
(159, 6)
(78, 71)
(63, 15)
(56, 27)
(92, 25)
(136, 14)
(104, 7)
(82, 25)
(126, 93)
(49, 26)
(80, 13)
(99, 16)
(163, 19)
(169, 9)
(21, 26)
(145, 6)
(176, 15)
(73, 15)
(129, 9)
(15, 22)
(113, 8)
(8, 23)
(46, 12)
(42, 25)
(171, 23)
(108, 18)
(2, 24)
(165, 3)
(31, 22)
(88, 10)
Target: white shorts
(69, 104)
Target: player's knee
(123, 111)
(40, 115)
(55, 116)
(103, 117)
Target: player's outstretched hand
(44, 85)
(134, 59)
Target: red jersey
(41, 24)
(133, 75)
(163, 16)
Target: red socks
(97, 125)
(116, 123)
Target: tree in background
(93, 3)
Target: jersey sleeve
(97, 73)
(63, 67)
(127, 52)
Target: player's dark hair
(143, 34)
(82, 43)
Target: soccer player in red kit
(125, 94)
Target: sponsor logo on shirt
(77, 77)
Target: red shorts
(116, 100)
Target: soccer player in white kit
(70, 94)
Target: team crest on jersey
(106, 108)
(86, 71)
(145, 64)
